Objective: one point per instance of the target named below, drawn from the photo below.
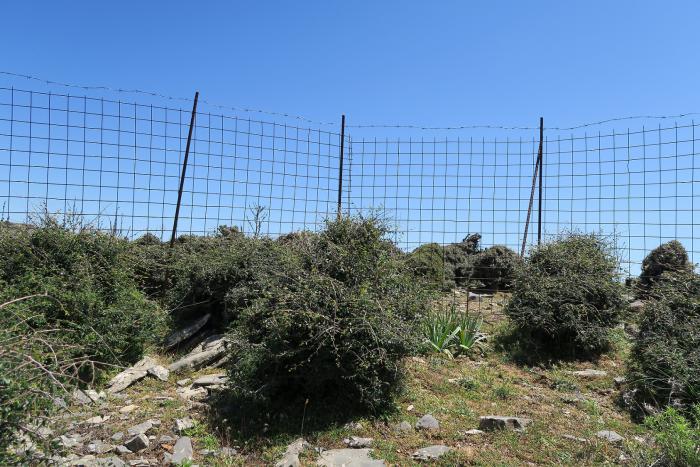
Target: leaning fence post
(539, 207)
(538, 164)
(184, 169)
(340, 166)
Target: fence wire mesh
(116, 165)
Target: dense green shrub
(336, 315)
(445, 266)
(669, 257)
(664, 365)
(677, 437)
(567, 296)
(496, 267)
(89, 279)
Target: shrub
(332, 324)
(677, 437)
(445, 266)
(567, 296)
(88, 278)
(496, 267)
(669, 257)
(664, 365)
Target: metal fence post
(539, 208)
(340, 167)
(184, 169)
(538, 164)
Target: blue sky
(381, 62)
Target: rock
(185, 333)
(80, 397)
(159, 372)
(183, 382)
(588, 373)
(122, 450)
(137, 443)
(357, 442)
(403, 427)
(427, 422)
(94, 395)
(109, 462)
(182, 450)
(619, 381)
(118, 436)
(97, 420)
(128, 408)
(209, 350)
(609, 436)
(166, 439)
(98, 447)
(70, 441)
(291, 455)
(355, 426)
(141, 428)
(636, 305)
(575, 438)
(182, 424)
(495, 422)
(430, 453)
(348, 458)
(190, 393)
(227, 452)
(210, 380)
(410, 408)
(473, 431)
(129, 376)
(59, 402)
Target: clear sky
(434, 63)
(445, 63)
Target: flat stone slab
(349, 458)
(182, 424)
(182, 450)
(431, 452)
(210, 380)
(129, 376)
(496, 422)
(291, 455)
(141, 428)
(185, 333)
(208, 351)
(356, 442)
(609, 436)
(427, 422)
(403, 427)
(159, 372)
(588, 373)
(137, 443)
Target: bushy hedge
(496, 267)
(664, 367)
(670, 257)
(336, 315)
(567, 296)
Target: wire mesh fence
(117, 164)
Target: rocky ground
(482, 410)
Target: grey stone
(97, 420)
(185, 333)
(474, 431)
(129, 376)
(609, 436)
(403, 427)
(589, 373)
(94, 395)
(348, 458)
(70, 441)
(291, 455)
(356, 442)
(141, 428)
(427, 422)
(99, 447)
(122, 450)
(166, 439)
(495, 422)
(80, 397)
(636, 305)
(227, 452)
(182, 424)
(182, 450)
(190, 393)
(619, 381)
(137, 443)
(159, 372)
(118, 436)
(431, 452)
(575, 438)
(183, 382)
(128, 408)
(209, 350)
(113, 461)
(210, 380)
